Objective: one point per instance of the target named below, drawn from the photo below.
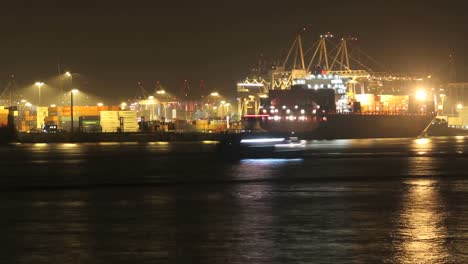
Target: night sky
(113, 46)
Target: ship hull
(353, 126)
(342, 126)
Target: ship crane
(141, 92)
(10, 92)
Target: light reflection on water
(183, 205)
(422, 235)
(270, 161)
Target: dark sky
(114, 45)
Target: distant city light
(161, 92)
(459, 106)
(150, 97)
(68, 74)
(100, 104)
(74, 91)
(53, 105)
(214, 94)
(28, 104)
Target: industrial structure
(331, 56)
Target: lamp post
(74, 91)
(39, 85)
(69, 75)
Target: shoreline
(122, 137)
(166, 136)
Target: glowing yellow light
(74, 91)
(440, 107)
(161, 92)
(28, 104)
(53, 105)
(459, 106)
(422, 141)
(68, 74)
(214, 94)
(421, 95)
(39, 84)
(151, 97)
(209, 142)
(100, 104)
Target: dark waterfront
(361, 201)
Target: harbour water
(360, 201)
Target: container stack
(42, 113)
(110, 121)
(130, 121)
(3, 117)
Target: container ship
(323, 113)
(321, 102)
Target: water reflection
(421, 235)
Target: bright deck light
(421, 95)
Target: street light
(69, 75)
(39, 85)
(74, 91)
(100, 104)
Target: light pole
(69, 75)
(39, 85)
(74, 91)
